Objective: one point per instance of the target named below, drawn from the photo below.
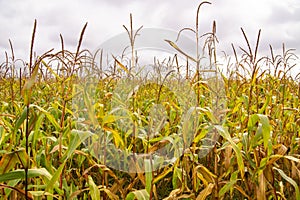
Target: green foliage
(49, 120)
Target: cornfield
(59, 122)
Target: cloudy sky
(278, 19)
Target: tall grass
(44, 135)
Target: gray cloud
(281, 15)
(279, 21)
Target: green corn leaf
(20, 174)
(264, 129)
(177, 176)
(11, 183)
(49, 116)
(224, 133)
(20, 120)
(2, 134)
(53, 182)
(94, 191)
(139, 195)
(148, 175)
(290, 180)
(77, 137)
(252, 122)
(226, 187)
(37, 126)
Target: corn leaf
(224, 133)
(139, 195)
(49, 116)
(94, 191)
(77, 137)
(121, 65)
(9, 160)
(206, 192)
(20, 120)
(148, 175)
(20, 174)
(2, 134)
(290, 180)
(53, 182)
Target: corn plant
(65, 117)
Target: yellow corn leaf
(121, 65)
(207, 191)
(180, 51)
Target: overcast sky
(278, 19)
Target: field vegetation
(244, 142)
